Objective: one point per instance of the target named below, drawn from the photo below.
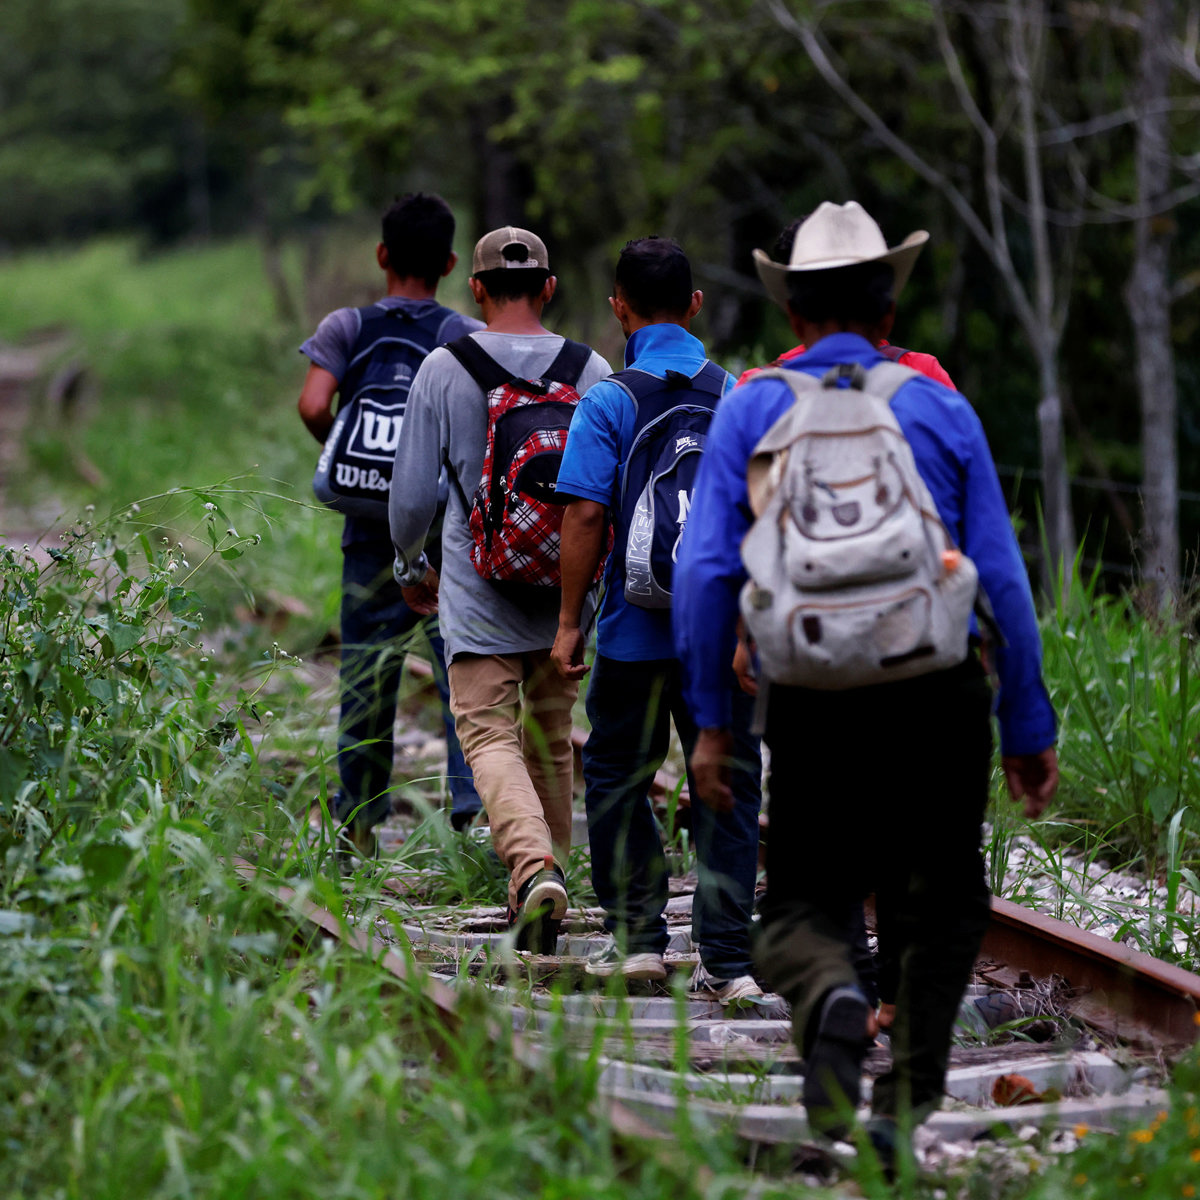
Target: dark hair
(781, 250)
(418, 231)
(509, 283)
(654, 276)
(860, 294)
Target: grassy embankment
(162, 1033)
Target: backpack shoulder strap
(801, 382)
(709, 378)
(478, 363)
(887, 378)
(568, 363)
(892, 353)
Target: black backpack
(354, 472)
(658, 475)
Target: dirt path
(22, 385)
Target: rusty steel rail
(1124, 992)
(622, 1119)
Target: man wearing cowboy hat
(878, 788)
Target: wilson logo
(360, 479)
(379, 433)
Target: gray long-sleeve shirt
(447, 420)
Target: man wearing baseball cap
(512, 708)
(880, 787)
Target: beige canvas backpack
(854, 579)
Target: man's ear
(477, 289)
(548, 290)
(696, 305)
(381, 257)
(451, 263)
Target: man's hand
(423, 597)
(1032, 776)
(712, 768)
(743, 668)
(567, 652)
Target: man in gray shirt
(512, 708)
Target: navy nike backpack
(354, 472)
(658, 475)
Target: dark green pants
(881, 790)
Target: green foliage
(87, 129)
(1160, 1157)
(160, 1033)
(190, 379)
(1128, 697)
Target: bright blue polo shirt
(953, 457)
(600, 439)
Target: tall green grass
(191, 382)
(163, 1030)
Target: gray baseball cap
(510, 248)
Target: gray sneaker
(608, 960)
(741, 989)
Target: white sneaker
(608, 961)
(727, 991)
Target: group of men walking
(877, 784)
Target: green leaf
(1160, 802)
(14, 769)
(123, 635)
(104, 690)
(104, 863)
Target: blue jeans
(630, 706)
(378, 630)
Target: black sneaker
(833, 1064)
(541, 906)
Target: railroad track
(1108, 1018)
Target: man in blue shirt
(879, 788)
(636, 688)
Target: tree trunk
(1026, 53)
(503, 183)
(1056, 492)
(1148, 296)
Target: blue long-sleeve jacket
(953, 457)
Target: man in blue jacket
(636, 688)
(879, 788)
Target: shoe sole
(746, 992)
(547, 898)
(646, 967)
(833, 1068)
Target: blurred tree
(89, 136)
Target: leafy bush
(1128, 697)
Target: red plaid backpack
(515, 517)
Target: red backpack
(514, 515)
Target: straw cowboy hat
(838, 235)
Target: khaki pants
(513, 716)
